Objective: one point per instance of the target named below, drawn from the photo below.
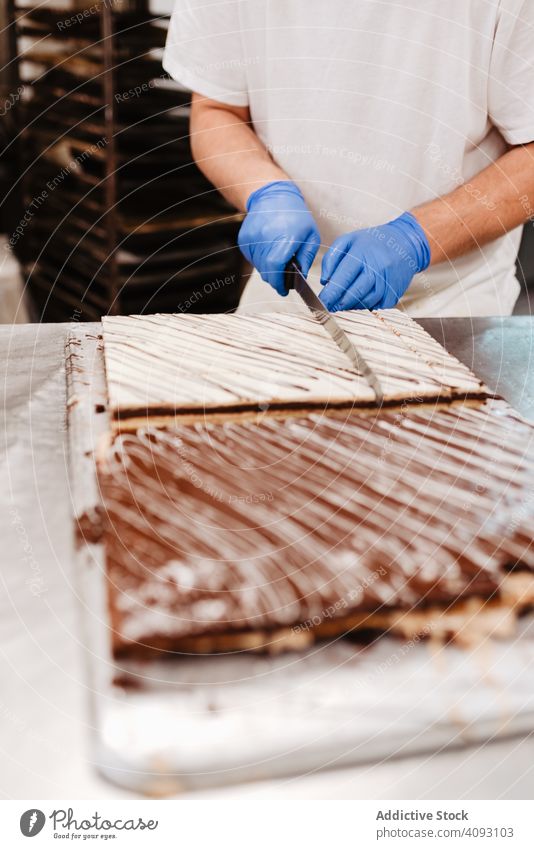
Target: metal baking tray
(162, 727)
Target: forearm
(495, 201)
(228, 151)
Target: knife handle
(292, 268)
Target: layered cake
(163, 367)
(249, 496)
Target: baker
(385, 143)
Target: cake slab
(270, 535)
(179, 365)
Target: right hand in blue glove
(278, 227)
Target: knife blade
(294, 279)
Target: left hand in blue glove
(373, 268)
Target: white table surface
(44, 750)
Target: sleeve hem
(519, 136)
(189, 79)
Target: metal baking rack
(113, 215)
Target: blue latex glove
(278, 227)
(373, 268)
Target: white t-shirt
(375, 106)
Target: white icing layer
(174, 362)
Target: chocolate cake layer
(245, 527)
(185, 363)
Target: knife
(294, 279)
